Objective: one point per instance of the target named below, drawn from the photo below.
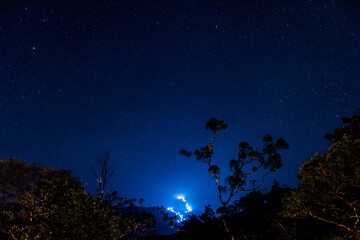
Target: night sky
(141, 78)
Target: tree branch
(330, 221)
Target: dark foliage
(246, 168)
(330, 183)
(44, 203)
(256, 216)
(351, 127)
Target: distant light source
(181, 197)
(178, 213)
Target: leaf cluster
(44, 203)
(330, 182)
(351, 127)
(249, 160)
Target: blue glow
(178, 213)
(181, 217)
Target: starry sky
(141, 78)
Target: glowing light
(180, 197)
(187, 206)
(181, 217)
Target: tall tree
(102, 173)
(330, 183)
(250, 161)
(45, 203)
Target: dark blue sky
(141, 78)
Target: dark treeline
(45, 203)
(325, 205)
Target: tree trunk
(226, 228)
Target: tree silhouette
(263, 160)
(330, 183)
(140, 223)
(102, 173)
(351, 127)
(204, 226)
(46, 203)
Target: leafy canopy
(44, 203)
(250, 160)
(330, 183)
